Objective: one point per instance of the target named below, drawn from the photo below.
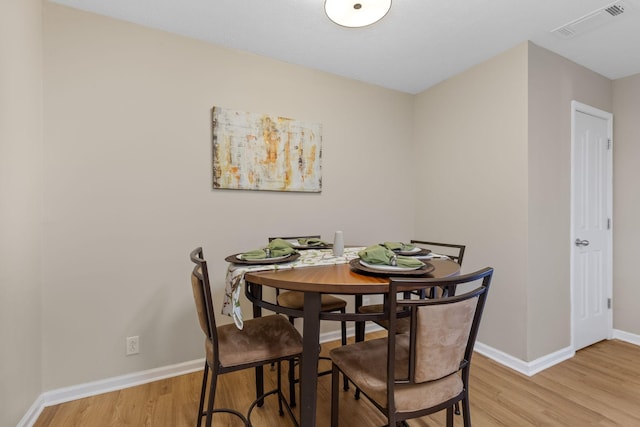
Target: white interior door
(591, 187)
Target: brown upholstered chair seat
(264, 338)
(295, 300)
(365, 363)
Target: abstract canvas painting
(254, 151)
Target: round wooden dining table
(314, 281)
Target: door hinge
(608, 223)
(609, 142)
(609, 303)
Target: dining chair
(450, 250)
(295, 300)
(261, 341)
(426, 370)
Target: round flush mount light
(356, 13)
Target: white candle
(338, 244)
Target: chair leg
(343, 327)
(292, 376)
(280, 388)
(292, 383)
(360, 328)
(335, 378)
(466, 414)
(282, 402)
(212, 395)
(450, 416)
(203, 392)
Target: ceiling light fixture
(356, 13)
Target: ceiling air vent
(592, 20)
(615, 9)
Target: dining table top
(339, 278)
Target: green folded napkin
(399, 246)
(380, 255)
(312, 241)
(277, 248)
(279, 244)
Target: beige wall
(505, 127)
(20, 207)
(471, 142)
(553, 83)
(128, 183)
(626, 204)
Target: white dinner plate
(275, 258)
(296, 245)
(409, 251)
(388, 267)
(432, 256)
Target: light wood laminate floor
(600, 386)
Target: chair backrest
(452, 250)
(443, 330)
(204, 303)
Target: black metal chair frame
(201, 272)
(421, 293)
(399, 286)
(457, 258)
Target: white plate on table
(409, 251)
(296, 245)
(388, 267)
(432, 256)
(275, 258)
(237, 259)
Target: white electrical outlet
(133, 345)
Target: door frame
(578, 107)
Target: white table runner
(308, 258)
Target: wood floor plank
(599, 387)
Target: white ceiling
(418, 44)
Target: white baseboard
(526, 368)
(336, 335)
(542, 363)
(31, 416)
(626, 336)
(66, 394)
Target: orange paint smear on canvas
(271, 139)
